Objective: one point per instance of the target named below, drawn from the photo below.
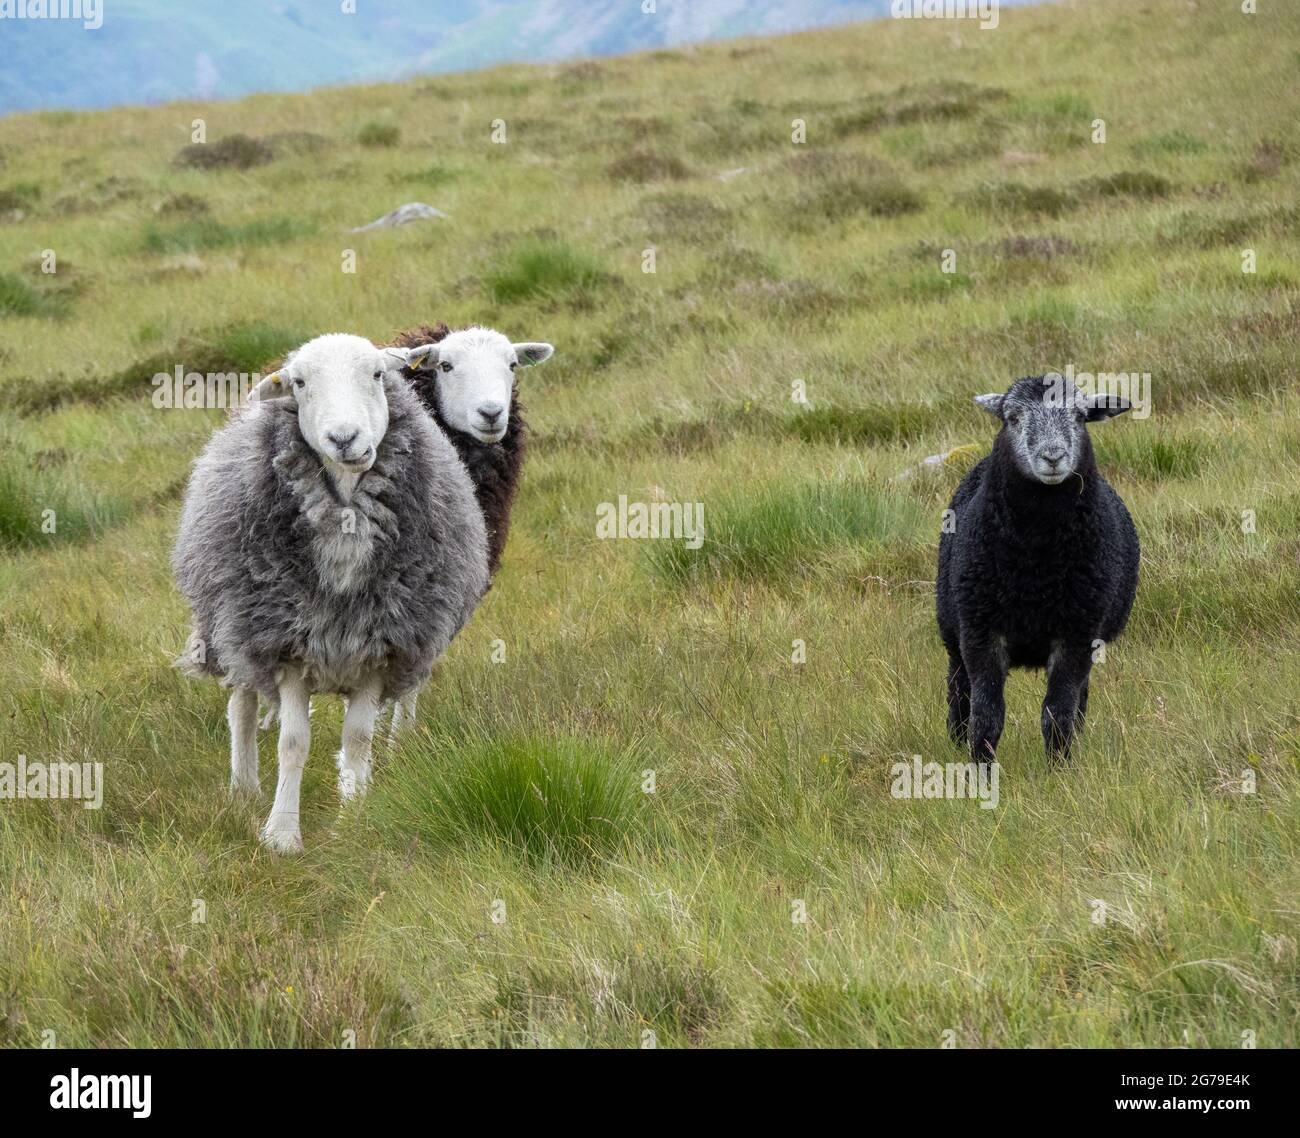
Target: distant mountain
(150, 51)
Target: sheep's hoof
(245, 787)
(281, 839)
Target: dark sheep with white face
(1039, 566)
(468, 369)
(468, 381)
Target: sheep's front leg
(358, 734)
(986, 665)
(1066, 699)
(281, 832)
(241, 714)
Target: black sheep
(1038, 564)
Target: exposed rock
(402, 215)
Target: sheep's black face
(1045, 419)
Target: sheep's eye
(1014, 420)
(378, 375)
(446, 366)
(299, 383)
(514, 364)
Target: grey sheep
(330, 541)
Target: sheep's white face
(337, 381)
(473, 376)
(1045, 419)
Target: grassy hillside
(508, 882)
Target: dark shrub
(234, 152)
(377, 134)
(647, 166)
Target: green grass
(207, 233)
(18, 298)
(1158, 456)
(550, 800)
(509, 881)
(542, 269)
(36, 511)
(243, 347)
(1172, 142)
(770, 533)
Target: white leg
(358, 732)
(281, 832)
(241, 714)
(403, 715)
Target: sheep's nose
(341, 440)
(491, 412)
(1053, 456)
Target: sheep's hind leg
(986, 665)
(1067, 686)
(958, 700)
(403, 716)
(281, 832)
(241, 714)
(358, 735)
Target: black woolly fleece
(1036, 563)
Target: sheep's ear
(426, 355)
(992, 403)
(1106, 407)
(270, 386)
(530, 354)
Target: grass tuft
(379, 135)
(563, 800)
(18, 298)
(40, 507)
(543, 268)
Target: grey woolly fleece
(263, 554)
